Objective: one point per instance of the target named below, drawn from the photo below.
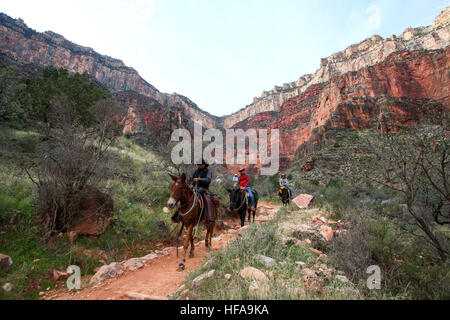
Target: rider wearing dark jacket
(202, 176)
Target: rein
(194, 202)
(243, 201)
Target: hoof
(181, 266)
(191, 255)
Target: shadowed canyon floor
(159, 278)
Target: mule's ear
(174, 178)
(183, 177)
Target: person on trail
(284, 183)
(235, 181)
(244, 183)
(202, 178)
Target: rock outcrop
(397, 91)
(95, 212)
(369, 52)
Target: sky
(222, 53)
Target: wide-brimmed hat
(242, 169)
(203, 162)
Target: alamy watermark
(237, 151)
(74, 281)
(374, 281)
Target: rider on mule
(235, 181)
(202, 176)
(284, 183)
(244, 183)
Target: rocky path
(156, 277)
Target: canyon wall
(397, 91)
(356, 57)
(378, 81)
(50, 49)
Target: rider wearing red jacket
(244, 182)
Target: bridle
(193, 200)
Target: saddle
(210, 206)
(209, 203)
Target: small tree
(414, 163)
(72, 156)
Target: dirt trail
(159, 278)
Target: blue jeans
(249, 190)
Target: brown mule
(189, 213)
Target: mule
(242, 204)
(190, 214)
(285, 196)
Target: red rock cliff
(393, 92)
(50, 49)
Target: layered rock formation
(147, 117)
(356, 57)
(50, 49)
(398, 91)
(376, 82)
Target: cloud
(374, 20)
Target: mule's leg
(186, 246)
(208, 239)
(191, 253)
(210, 235)
(207, 236)
(242, 215)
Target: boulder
(196, 282)
(267, 261)
(251, 273)
(228, 276)
(106, 272)
(95, 212)
(303, 201)
(56, 275)
(327, 232)
(149, 257)
(132, 264)
(5, 262)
